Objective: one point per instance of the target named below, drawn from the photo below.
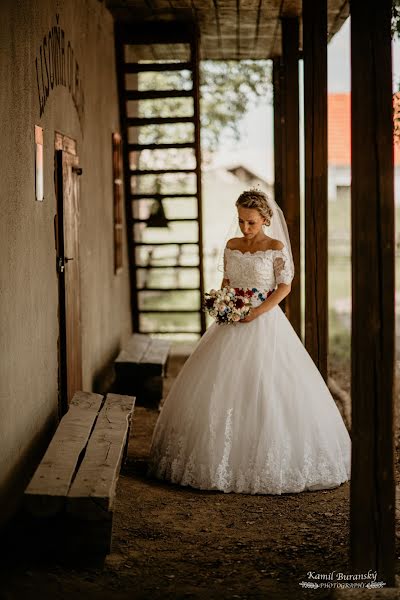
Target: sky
(256, 143)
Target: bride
(249, 411)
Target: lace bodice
(264, 269)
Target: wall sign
(56, 64)
(39, 162)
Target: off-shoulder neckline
(256, 252)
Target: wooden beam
(290, 158)
(164, 66)
(237, 27)
(258, 22)
(156, 32)
(139, 147)
(372, 517)
(156, 94)
(316, 181)
(218, 27)
(146, 121)
(138, 172)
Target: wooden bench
(73, 489)
(140, 368)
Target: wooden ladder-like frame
(160, 33)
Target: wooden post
(279, 124)
(315, 28)
(278, 127)
(290, 157)
(195, 58)
(133, 284)
(372, 518)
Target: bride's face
(250, 221)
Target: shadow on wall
(104, 377)
(14, 485)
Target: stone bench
(140, 369)
(71, 495)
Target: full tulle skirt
(249, 412)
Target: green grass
(339, 272)
(339, 337)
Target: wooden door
(67, 244)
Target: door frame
(67, 145)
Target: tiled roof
(339, 133)
(339, 137)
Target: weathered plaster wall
(28, 280)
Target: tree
(396, 107)
(396, 18)
(227, 90)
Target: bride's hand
(250, 317)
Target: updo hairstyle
(255, 198)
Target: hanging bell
(157, 216)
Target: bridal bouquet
(230, 305)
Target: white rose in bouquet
(230, 305)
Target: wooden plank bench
(140, 368)
(73, 489)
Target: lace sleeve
(225, 275)
(282, 268)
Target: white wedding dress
(249, 411)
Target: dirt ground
(175, 542)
